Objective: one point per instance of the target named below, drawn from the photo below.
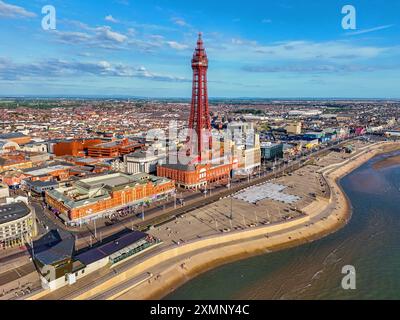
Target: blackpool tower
(199, 120)
(197, 167)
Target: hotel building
(143, 161)
(76, 148)
(17, 225)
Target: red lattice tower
(199, 120)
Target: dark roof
(12, 135)
(13, 211)
(54, 247)
(111, 247)
(39, 183)
(179, 166)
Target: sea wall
(198, 245)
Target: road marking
(16, 270)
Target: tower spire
(199, 120)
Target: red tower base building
(195, 176)
(201, 170)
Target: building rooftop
(36, 172)
(117, 143)
(40, 183)
(12, 135)
(13, 211)
(118, 180)
(93, 189)
(269, 144)
(144, 154)
(53, 247)
(110, 247)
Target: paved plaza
(266, 191)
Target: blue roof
(111, 247)
(52, 248)
(12, 135)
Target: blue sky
(265, 48)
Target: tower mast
(199, 120)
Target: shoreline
(207, 260)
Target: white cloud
(101, 37)
(266, 21)
(58, 68)
(316, 68)
(177, 45)
(11, 11)
(110, 18)
(180, 22)
(72, 37)
(106, 38)
(108, 34)
(297, 50)
(240, 42)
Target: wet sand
(386, 163)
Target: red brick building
(56, 172)
(98, 195)
(76, 148)
(197, 175)
(114, 149)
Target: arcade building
(100, 196)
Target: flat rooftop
(118, 143)
(12, 135)
(93, 189)
(46, 170)
(110, 247)
(110, 180)
(40, 183)
(116, 180)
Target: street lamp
(175, 199)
